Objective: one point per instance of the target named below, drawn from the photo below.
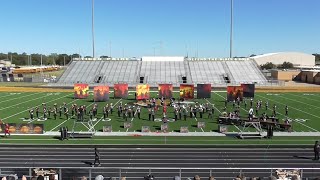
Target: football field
(304, 111)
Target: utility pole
(64, 60)
(41, 59)
(231, 29)
(93, 54)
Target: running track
(14, 158)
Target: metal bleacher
(156, 72)
(245, 72)
(216, 72)
(207, 71)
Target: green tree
(286, 65)
(268, 65)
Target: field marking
(28, 109)
(302, 96)
(23, 102)
(159, 159)
(291, 107)
(10, 94)
(22, 96)
(316, 107)
(288, 116)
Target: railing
(159, 173)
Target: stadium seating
(162, 72)
(217, 72)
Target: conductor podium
(88, 124)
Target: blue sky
(164, 27)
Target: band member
(119, 111)
(180, 113)
(200, 111)
(96, 157)
(94, 111)
(37, 112)
(149, 111)
(7, 130)
(176, 112)
(267, 105)
(55, 113)
(152, 114)
(66, 113)
(111, 108)
(226, 102)
(286, 109)
(64, 107)
(49, 112)
(138, 111)
(209, 114)
(72, 109)
(251, 103)
(44, 113)
(274, 110)
(60, 111)
(31, 113)
(191, 112)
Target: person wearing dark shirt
(316, 149)
(96, 157)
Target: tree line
(35, 59)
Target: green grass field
(303, 108)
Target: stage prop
(101, 93)
(15, 128)
(127, 125)
(143, 91)
(248, 90)
(81, 91)
(187, 91)
(145, 129)
(201, 125)
(164, 127)
(184, 129)
(165, 90)
(121, 91)
(203, 91)
(233, 92)
(107, 128)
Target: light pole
(231, 29)
(93, 29)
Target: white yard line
(303, 96)
(291, 107)
(21, 97)
(28, 109)
(316, 107)
(290, 118)
(23, 102)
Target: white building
(296, 58)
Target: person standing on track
(316, 150)
(96, 157)
(6, 130)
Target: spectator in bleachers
(196, 177)
(83, 178)
(211, 178)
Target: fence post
(180, 173)
(301, 173)
(90, 174)
(270, 172)
(60, 174)
(30, 172)
(120, 175)
(210, 172)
